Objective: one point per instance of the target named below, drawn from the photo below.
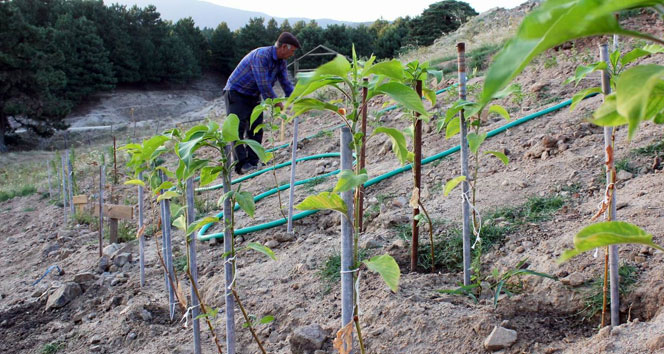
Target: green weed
(536, 209)
(625, 165)
(52, 348)
(593, 297)
(656, 148)
(20, 191)
(329, 272)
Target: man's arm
(283, 79)
(259, 69)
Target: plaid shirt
(257, 73)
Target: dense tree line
(56, 53)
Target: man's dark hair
(288, 38)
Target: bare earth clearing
(557, 155)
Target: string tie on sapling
(476, 231)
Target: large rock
(121, 259)
(306, 340)
(500, 338)
(63, 295)
(111, 249)
(103, 264)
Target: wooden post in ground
(80, 201)
(116, 213)
(417, 175)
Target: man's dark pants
(242, 105)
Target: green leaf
(429, 95)
(607, 115)
(403, 95)
(324, 201)
(438, 74)
(398, 143)
(581, 95)
(230, 128)
(613, 58)
(451, 184)
(304, 87)
(475, 140)
(641, 52)
(195, 132)
(166, 185)
(583, 71)
(502, 157)
(246, 202)
(550, 24)
(167, 195)
(200, 223)
(639, 94)
(266, 319)
(209, 174)
(311, 104)
(339, 66)
(181, 223)
(258, 110)
(262, 249)
(263, 155)
(387, 268)
(392, 69)
(151, 145)
(605, 234)
(136, 182)
(453, 127)
(348, 180)
(498, 109)
(212, 313)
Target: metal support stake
(611, 213)
(228, 263)
(64, 187)
(193, 269)
(291, 192)
(465, 186)
(166, 247)
(346, 234)
(70, 184)
(141, 239)
(102, 173)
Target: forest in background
(56, 53)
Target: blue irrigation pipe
(203, 237)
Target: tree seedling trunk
(417, 175)
(228, 262)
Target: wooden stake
(417, 175)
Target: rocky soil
(96, 304)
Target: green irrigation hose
(278, 222)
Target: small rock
(645, 250)
(624, 175)
(399, 202)
(527, 244)
(544, 155)
(621, 205)
(111, 249)
(132, 336)
(95, 348)
(49, 249)
(96, 339)
(654, 344)
(399, 244)
(307, 339)
(604, 332)
(103, 264)
(575, 279)
(121, 259)
(92, 316)
(562, 147)
(146, 315)
(63, 295)
(284, 236)
(84, 277)
(500, 338)
(371, 243)
(522, 184)
(519, 249)
(272, 243)
(640, 259)
(549, 142)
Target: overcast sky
(351, 10)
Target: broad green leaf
(304, 88)
(167, 195)
(451, 184)
(166, 185)
(475, 141)
(212, 313)
(263, 155)
(200, 223)
(348, 180)
(581, 95)
(266, 319)
(311, 104)
(551, 24)
(498, 109)
(403, 95)
(392, 69)
(398, 143)
(453, 127)
(136, 182)
(502, 157)
(339, 66)
(438, 74)
(605, 234)
(641, 52)
(258, 110)
(246, 202)
(195, 132)
(639, 93)
(613, 58)
(387, 268)
(185, 149)
(606, 115)
(324, 201)
(429, 95)
(151, 145)
(230, 128)
(583, 71)
(181, 223)
(209, 174)
(262, 249)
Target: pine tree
(222, 49)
